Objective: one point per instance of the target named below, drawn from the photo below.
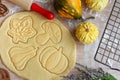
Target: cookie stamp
(4, 75)
(3, 9)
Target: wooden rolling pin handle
(49, 15)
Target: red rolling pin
(30, 5)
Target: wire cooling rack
(108, 52)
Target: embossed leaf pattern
(21, 29)
(53, 60)
(21, 55)
(52, 31)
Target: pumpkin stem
(91, 17)
(87, 28)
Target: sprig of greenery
(85, 73)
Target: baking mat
(108, 52)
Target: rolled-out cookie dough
(36, 48)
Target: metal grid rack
(108, 52)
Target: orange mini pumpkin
(68, 8)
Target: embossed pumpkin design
(35, 48)
(54, 61)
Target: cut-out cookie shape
(4, 75)
(53, 60)
(20, 56)
(21, 29)
(30, 59)
(52, 32)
